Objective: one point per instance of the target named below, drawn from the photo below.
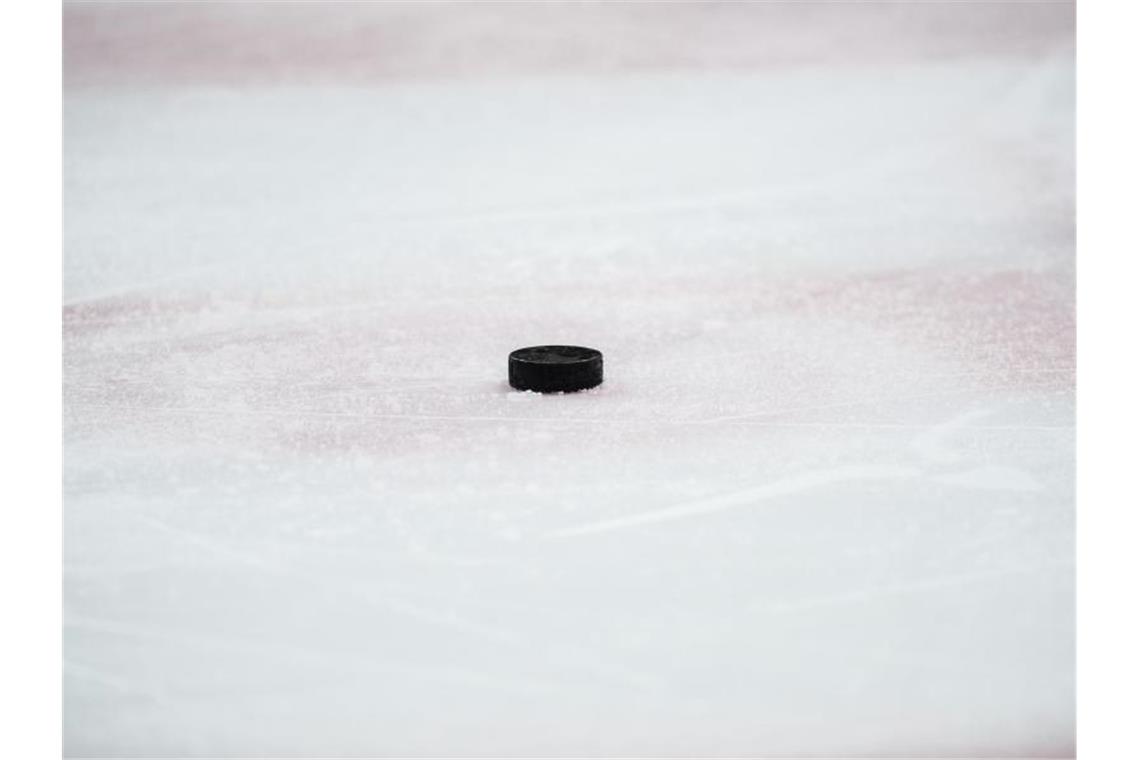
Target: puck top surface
(551, 369)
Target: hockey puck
(554, 369)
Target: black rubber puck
(553, 369)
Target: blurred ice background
(823, 503)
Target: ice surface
(823, 502)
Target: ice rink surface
(822, 504)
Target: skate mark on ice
(747, 416)
(933, 445)
(993, 478)
(745, 498)
(290, 653)
(924, 585)
(747, 420)
(570, 656)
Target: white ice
(823, 502)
